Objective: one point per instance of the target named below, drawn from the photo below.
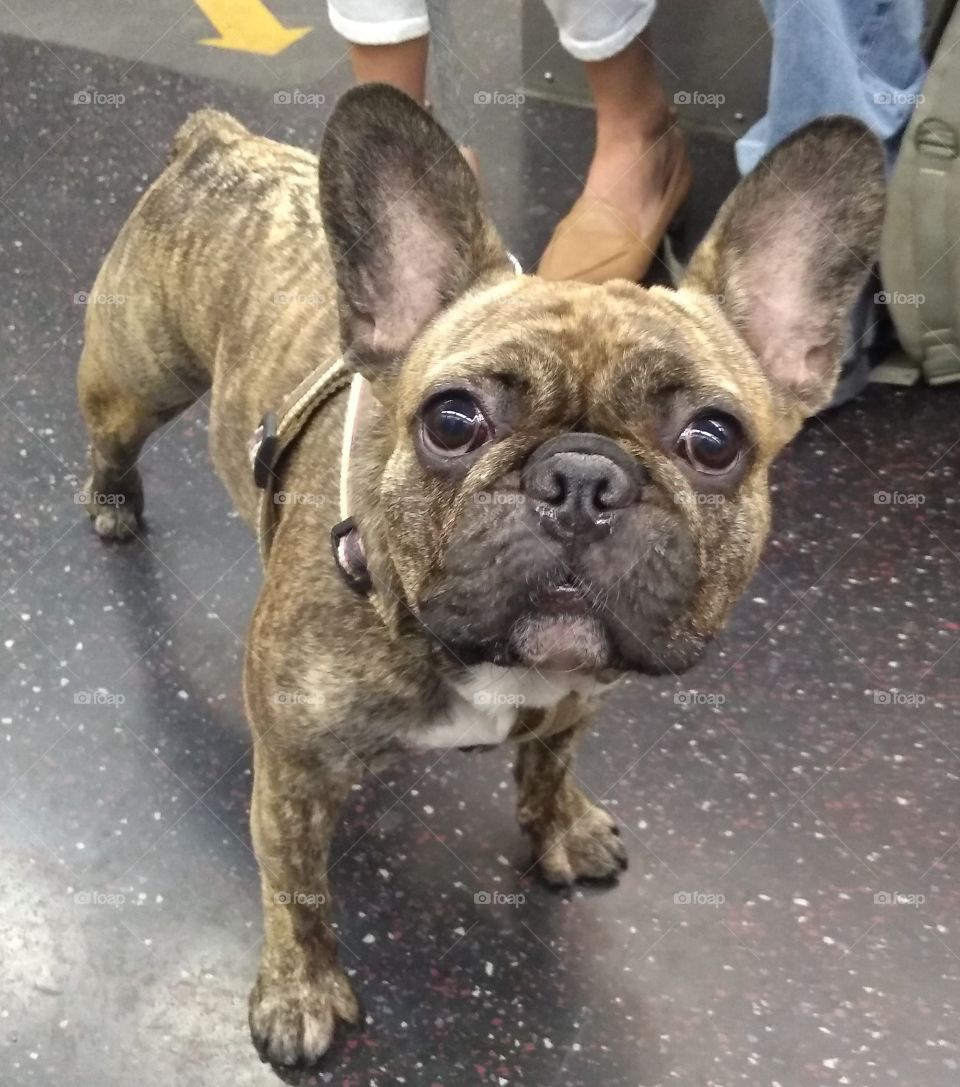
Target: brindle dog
(551, 484)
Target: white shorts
(588, 30)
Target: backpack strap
(936, 223)
(920, 256)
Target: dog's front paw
(115, 503)
(115, 523)
(577, 840)
(114, 516)
(292, 1021)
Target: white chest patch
(484, 705)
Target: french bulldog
(546, 485)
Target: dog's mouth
(565, 620)
(568, 591)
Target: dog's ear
(790, 250)
(403, 220)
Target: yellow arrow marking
(249, 26)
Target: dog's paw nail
(558, 878)
(115, 524)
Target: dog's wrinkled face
(589, 466)
(576, 476)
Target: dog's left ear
(404, 222)
(790, 250)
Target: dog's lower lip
(567, 640)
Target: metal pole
(453, 105)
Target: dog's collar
(277, 431)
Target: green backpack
(920, 250)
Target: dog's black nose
(578, 482)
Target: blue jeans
(859, 57)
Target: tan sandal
(593, 244)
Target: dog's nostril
(603, 496)
(614, 491)
(556, 490)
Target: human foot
(637, 181)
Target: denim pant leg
(859, 57)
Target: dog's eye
(711, 442)
(453, 424)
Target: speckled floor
(792, 912)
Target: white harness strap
(358, 393)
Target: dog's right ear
(790, 250)
(403, 220)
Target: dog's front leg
(301, 990)
(573, 838)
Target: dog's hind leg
(126, 392)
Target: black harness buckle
(264, 449)
(349, 555)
